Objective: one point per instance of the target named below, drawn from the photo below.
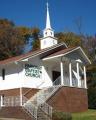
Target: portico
(72, 71)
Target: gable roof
(64, 52)
(30, 54)
(60, 53)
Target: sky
(65, 14)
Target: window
(51, 33)
(3, 74)
(44, 42)
(46, 33)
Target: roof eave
(61, 55)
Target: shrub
(61, 116)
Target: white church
(50, 75)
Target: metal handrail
(66, 81)
(57, 81)
(31, 108)
(13, 101)
(47, 109)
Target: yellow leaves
(35, 30)
(23, 30)
(6, 23)
(71, 39)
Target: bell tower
(48, 39)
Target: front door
(55, 74)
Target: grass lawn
(89, 115)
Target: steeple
(48, 30)
(48, 39)
(48, 25)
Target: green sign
(33, 71)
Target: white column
(21, 97)
(85, 80)
(70, 73)
(62, 77)
(78, 76)
(1, 100)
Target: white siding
(15, 75)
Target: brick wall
(28, 92)
(69, 100)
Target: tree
(25, 32)
(11, 41)
(35, 33)
(91, 75)
(71, 39)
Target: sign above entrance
(33, 71)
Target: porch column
(78, 76)
(21, 97)
(85, 80)
(1, 100)
(62, 77)
(70, 73)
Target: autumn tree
(35, 34)
(70, 38)
(11, 41)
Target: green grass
(89, 115)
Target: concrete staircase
(41, 115)
(37, 106)
(34, 108)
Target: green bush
(61, 116)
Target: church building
(51, 78)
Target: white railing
(47, 109)
(39, 100)
(82, 84)
(31, 108)
(13, 101)
(43, 95)
(57, 81)
(66, 82)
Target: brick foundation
(27, 92)
(69, 99)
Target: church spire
(48, 39)
(48, 25)
(48, 30)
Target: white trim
(55, 39)
(70, 73)
(85, 55)
(62, 76)
(47, 58)
(85, 80)
(78, 78)
(36, 53)
(24, 60)
(21, 97)
(1, 100)
(79, 61)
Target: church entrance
(55, 74)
